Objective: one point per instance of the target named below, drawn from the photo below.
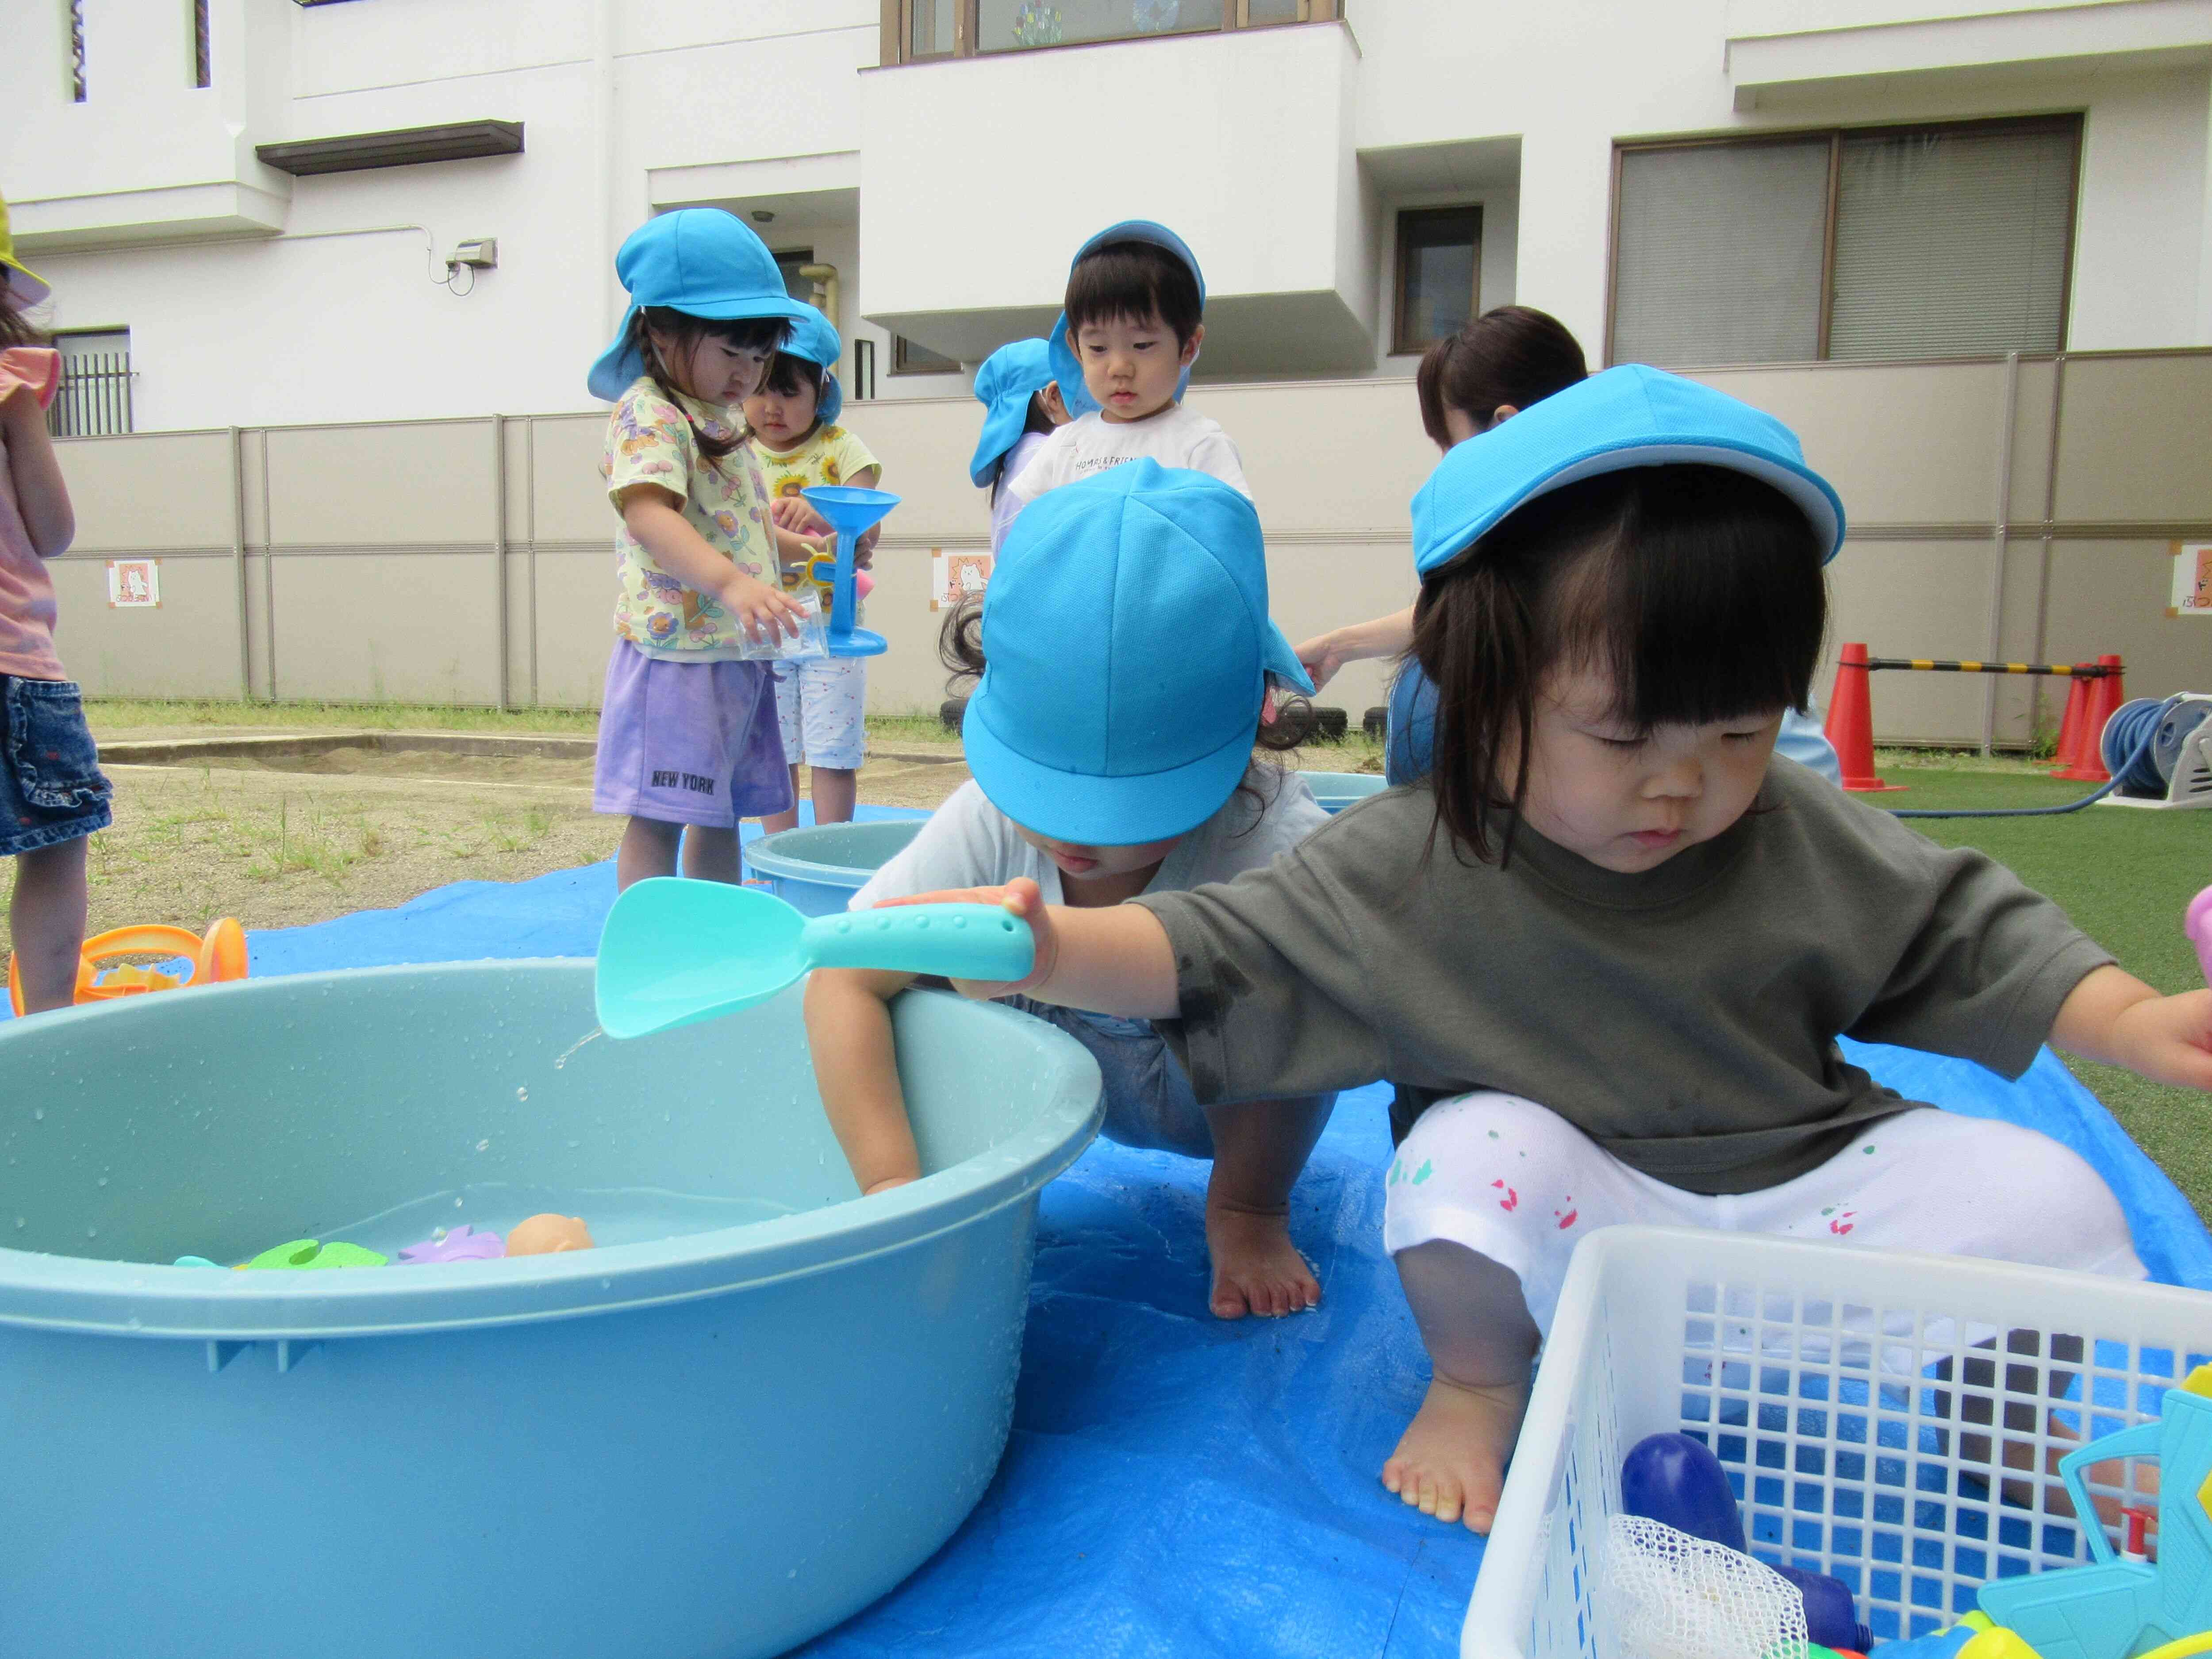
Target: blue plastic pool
(1337, 790)
(749, 1414)
(817, 869)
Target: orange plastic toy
(220, 955)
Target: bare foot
(1256, 1268)
(1450, 1461)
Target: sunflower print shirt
(649, 441)
(831, 456)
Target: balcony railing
(920, 31)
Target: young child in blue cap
(1124, 655)
(821, 703)
(1131, 328)
(1605, 951)
(1022, 407)
(688, 737)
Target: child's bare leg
(46, 918)
(835, 790)
(1450, 1461)
(648, 848)
(788, 819)
(1259, 1147)
(712, 855)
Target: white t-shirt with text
(969, 843)
(1177, 436)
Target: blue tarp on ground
(1175, 1484)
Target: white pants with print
(821, 705)
(1515, 1182)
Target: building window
(907, 358)
(931, 28)
(863, 370)
(203, 63)
(947, 28)
(788, 265)
(1439, 275)
(76, 50)
(94, 398)
(1886, 243)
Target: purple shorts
(689, 743)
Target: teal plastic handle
(955, 941)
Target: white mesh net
(1678, 1597)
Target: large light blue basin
(751, 1413)
(1337, 790)
(817, 869)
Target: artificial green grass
(2125, 875)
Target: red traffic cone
(2107, 693)
(1850, 723)
(2069, 728)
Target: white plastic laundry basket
(1848, 1392)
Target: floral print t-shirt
(829, 456)
(649, 441)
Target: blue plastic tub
(749, 1414)
(818, 869)
(1337, 790)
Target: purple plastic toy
(1673, 1478)
(2198, 926)
(464, 1243)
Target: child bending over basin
(1123, 650)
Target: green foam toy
(309, 1254)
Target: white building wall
(949, 196)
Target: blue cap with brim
(1009, 377)
(1128, 647)
(700, 261)
(1067, 369)
(1625, 417)
(815, 341)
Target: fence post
(2003, 537)
(499, 546)
(238, 564)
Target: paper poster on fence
(2193, 580)
(956, 576)
(134, 584)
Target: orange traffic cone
(2107, 693)
(2069, 751)
(1850, 723)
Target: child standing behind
(52, 795)
(1021, 408)
(1129, 335)
(1111, 740)
(687, 740)
(821, 703)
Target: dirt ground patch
(285, 841)
(282, 839)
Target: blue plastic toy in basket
(1848, 1394)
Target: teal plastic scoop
(675, 951)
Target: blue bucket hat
(1128, 647)
(815, 341)
(1009, 377)
(700, 261)
(1625, 417)
(1066, 367)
